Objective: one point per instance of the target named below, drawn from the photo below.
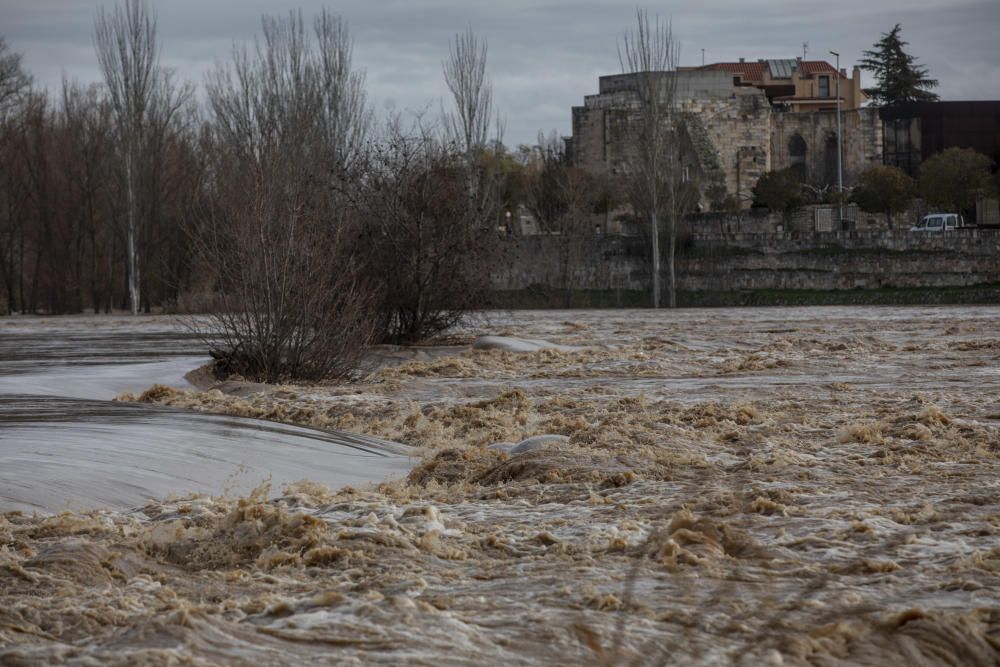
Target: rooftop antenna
(805, 49)
(703, 57)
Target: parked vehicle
(939, 222)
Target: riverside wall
(733, 261)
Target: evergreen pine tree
(898, 76)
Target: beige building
(796, 85)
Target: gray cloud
(545, 55)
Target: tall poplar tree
(898, 76)
(650, 53)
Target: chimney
(743, 60)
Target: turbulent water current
(807, 486)
(65, 445)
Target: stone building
(734, 133)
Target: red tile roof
(754, 71)
(816, 67)
(749, 71)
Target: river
(64, 445)
(775, 486)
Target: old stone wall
(861, 134)
(817, 218)
(735, 129)
(717, 261)
(738, 128)
(597, 262)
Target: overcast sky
(544, 55)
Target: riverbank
(772, 486)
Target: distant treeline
(136, 193)
(63, 245)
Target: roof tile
(817, 67)
(749, 71)
(754, 71)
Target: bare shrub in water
(291, 300)
(430, 243)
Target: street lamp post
(840, 168)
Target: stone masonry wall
(744, 261)
(861, 134)
(738, 129)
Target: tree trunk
(20, 270)
(654, 226)
(133, 264)
(567, 294)
(671, 251)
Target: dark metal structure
(915, 131)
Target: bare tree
(287, 119)
(33, 142)
(293, 94)
(14, 82)
(465, 73)
(86, 117)
(290, 302)
(542, 187)
(430, 247)
(346, 119)
(125, 40)
(13, 201)
(63, 195)
(650, 53)
(564, 201)
(165, 180)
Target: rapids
(801, 486)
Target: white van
(939, 222)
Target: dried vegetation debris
(776, 518)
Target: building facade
(797, 85)
(734, 131)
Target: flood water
(64, 445)
(780, 486)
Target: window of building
(797, 155)
(824, 86)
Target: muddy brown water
(805, 486)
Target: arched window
(797, 154)
(797, 148)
